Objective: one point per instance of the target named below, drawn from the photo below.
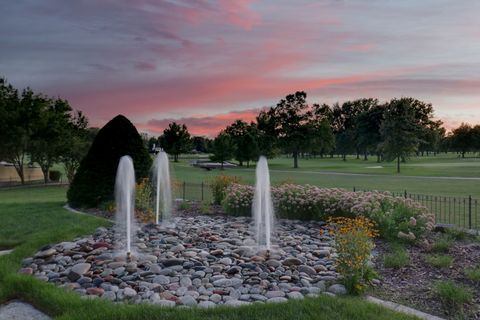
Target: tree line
(392, 130)
(35, 128)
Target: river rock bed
(200, 261)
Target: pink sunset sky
(206, 63)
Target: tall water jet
(161, 173)
(125, 202)
(262, 207)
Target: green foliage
(78, 139)
(144, 196)
(399, 130)
(452, 295)
(397, 257)
(395, 220)
(222, 148)
(456, 234)
(175, 140)
(442, 245)
(94, 180)
(218, 185)
(439, 260)
(55, 175)
(205, 207)
(473, 273)
(184, 205)
(353, 245)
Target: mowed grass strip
(421, 178)
(35, 217)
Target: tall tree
(200, 144)
(292, 128)
(175, 140)
(399, 130)
(266, 136)
(461, 139)
(49, 133)
(78, 140)
(222, 148)
(20, 112)
(368, 135)
(237, 132)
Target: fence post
(405, 194)
(470, 212)
(184, 185)
(202, 190)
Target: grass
(473, 273)
(442, 245)
(397, 257)
(35, 217)
(451, 294)
(439, 260)
(419, 174)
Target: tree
(49, 133)
(78, 139)
(94, 180)
(291, 119)
(19, 116)
(461, 139)
(175, 140)
(222, 148)
(237, 132)
(249, 145)
(266, 136)
(368, 135)
(200, 144)
(399, 130)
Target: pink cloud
(201, 125)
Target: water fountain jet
(161, 174)
(125, 202)
(262, 207)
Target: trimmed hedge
(94, 181)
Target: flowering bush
(144, 201)
(353, 244)
(219, 185)
(393, 215)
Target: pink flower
(413, 221)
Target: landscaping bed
(439, 259)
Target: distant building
(8, 174)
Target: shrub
(439, 260)
(455, 234)
(473, 273)
(394, 216)
(219, 185)
(54, 175)
(94, 180)
(144, 200)
(205, 207)
(184, 205)
(397, 258)
(451, 294)
(353, 244)
(442, 245)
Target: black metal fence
(462, 212)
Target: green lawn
(33, 217)
(443, 175)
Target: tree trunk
(175, 157)
(365, 156)
(344, 157)
(398, 164)
(378, 157)
(45, 174)
(18, 165)
(295, 159)
(248, 163)
(240, 163)
(463, 154)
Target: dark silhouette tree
(222, 148)
(399, 130)
(94, 181)
(175, 140)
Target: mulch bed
(412, 285)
